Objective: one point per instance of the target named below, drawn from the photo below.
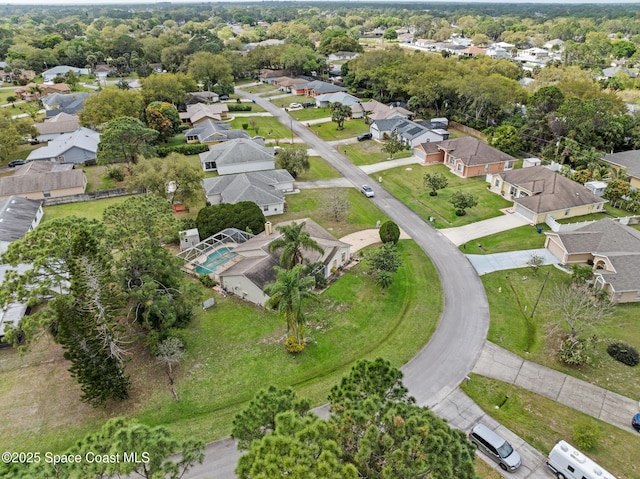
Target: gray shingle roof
(320, 87)
(626, 276)
(257, 186)
(550, 191)
(603, 237)
(208, 131)
(626, 159)
(83, 138)
(239, 150)
(37, 182)
(16, 217)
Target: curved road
(454, 348)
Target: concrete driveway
(480, 229)
(487, 263)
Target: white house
(240, 155)
(61, 70)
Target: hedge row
(193, 149)
(239, 107)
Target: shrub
(576, 353)
(624, 353)
(233, 107)
(190, 149)
(206, 281)
(245, 126)
(115, 173)
(292, 345)
(389, 232)
(586, 434)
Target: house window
(46, 194)
(523, 194)
(486, 167)
(513, 191)
(459, 167)
(265, 208)
(496, 182)
(509, 165)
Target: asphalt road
(458, 340)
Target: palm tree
(287, 294)
(293, 241)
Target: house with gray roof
(42, 179)
(204, 111)
(253, 266)
(264, 188)
(375, 111)
(70, 103)
(211, 132)
(630, 161)
(337, 97)
(240, 155)
(77, 148)
(409, 132)
(538, 192)
(612, 248)
(202, 97)
(18, 216)
(318, 87)
(55, 126)
(61, 70)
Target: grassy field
(89, 209)
(259, 89)
(542, 422)
(320, 170)
(523, 237)
(285, 101)
(512, 296)
(266, 126)
(407, 184)
(306, 114)
(369, 153)
(329, 131)
(233, 350)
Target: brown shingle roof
(549, 190)
(474, 152)
(603, 237)
(36, 182)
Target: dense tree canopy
(125, 140)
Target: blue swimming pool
(215, 260)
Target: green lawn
(523, 237)
(266, 126)
(369, 152)
(320, 170)
(88, 209)
(407, 184)
(285, 101)
(307, 114)
(329, 131)
(259, 89)
(234, 349)
(542, 422)
(512, 296)
(312, 203)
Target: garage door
(522, 211)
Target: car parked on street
(365, 136)
(496, 447)
(14, 163)
(367, 191)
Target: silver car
(496, 447)
(367, 191)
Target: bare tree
(579, 308)
(535, 261)
(170, 352)
(337, 204)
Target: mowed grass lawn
(260, 89)
(542, 422)
(233, 349)
(513, 294)
(265, 126)
(369, 152)
(407, 184)
(328, 131)
(313, 113)
(522, 237)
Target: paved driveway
(487, 263)
(480, 229)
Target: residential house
(211, 132)
(268, 75)
(374, 110)
(339, 56)
(608, 73)
(409, 132)
(344, 98)
(318, 87)
(472, 51)
(39, 180)
(204, 97)
(240, 155)
(468, 157)
(630, 161)
(253, 269)
(61, 70)
(102, 71)
(54, 126)
(613, 250)
(19, 75)
(294, 86)
(264, 43)
(201, 112)
(264, 188)
(18, 216)
(33, 91)
(498, 52)
(70, 103)
(538, 192)
(78, 147)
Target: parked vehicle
(635, 422)
(367, 191)
(15, 163)
(365, 136)
(295, 105)
(568, 463)
(308, 104)
(496, 447)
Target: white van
(569, 463)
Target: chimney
(268, 229)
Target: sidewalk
(500, 364)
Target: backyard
(407, 184)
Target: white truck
(568, 463)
